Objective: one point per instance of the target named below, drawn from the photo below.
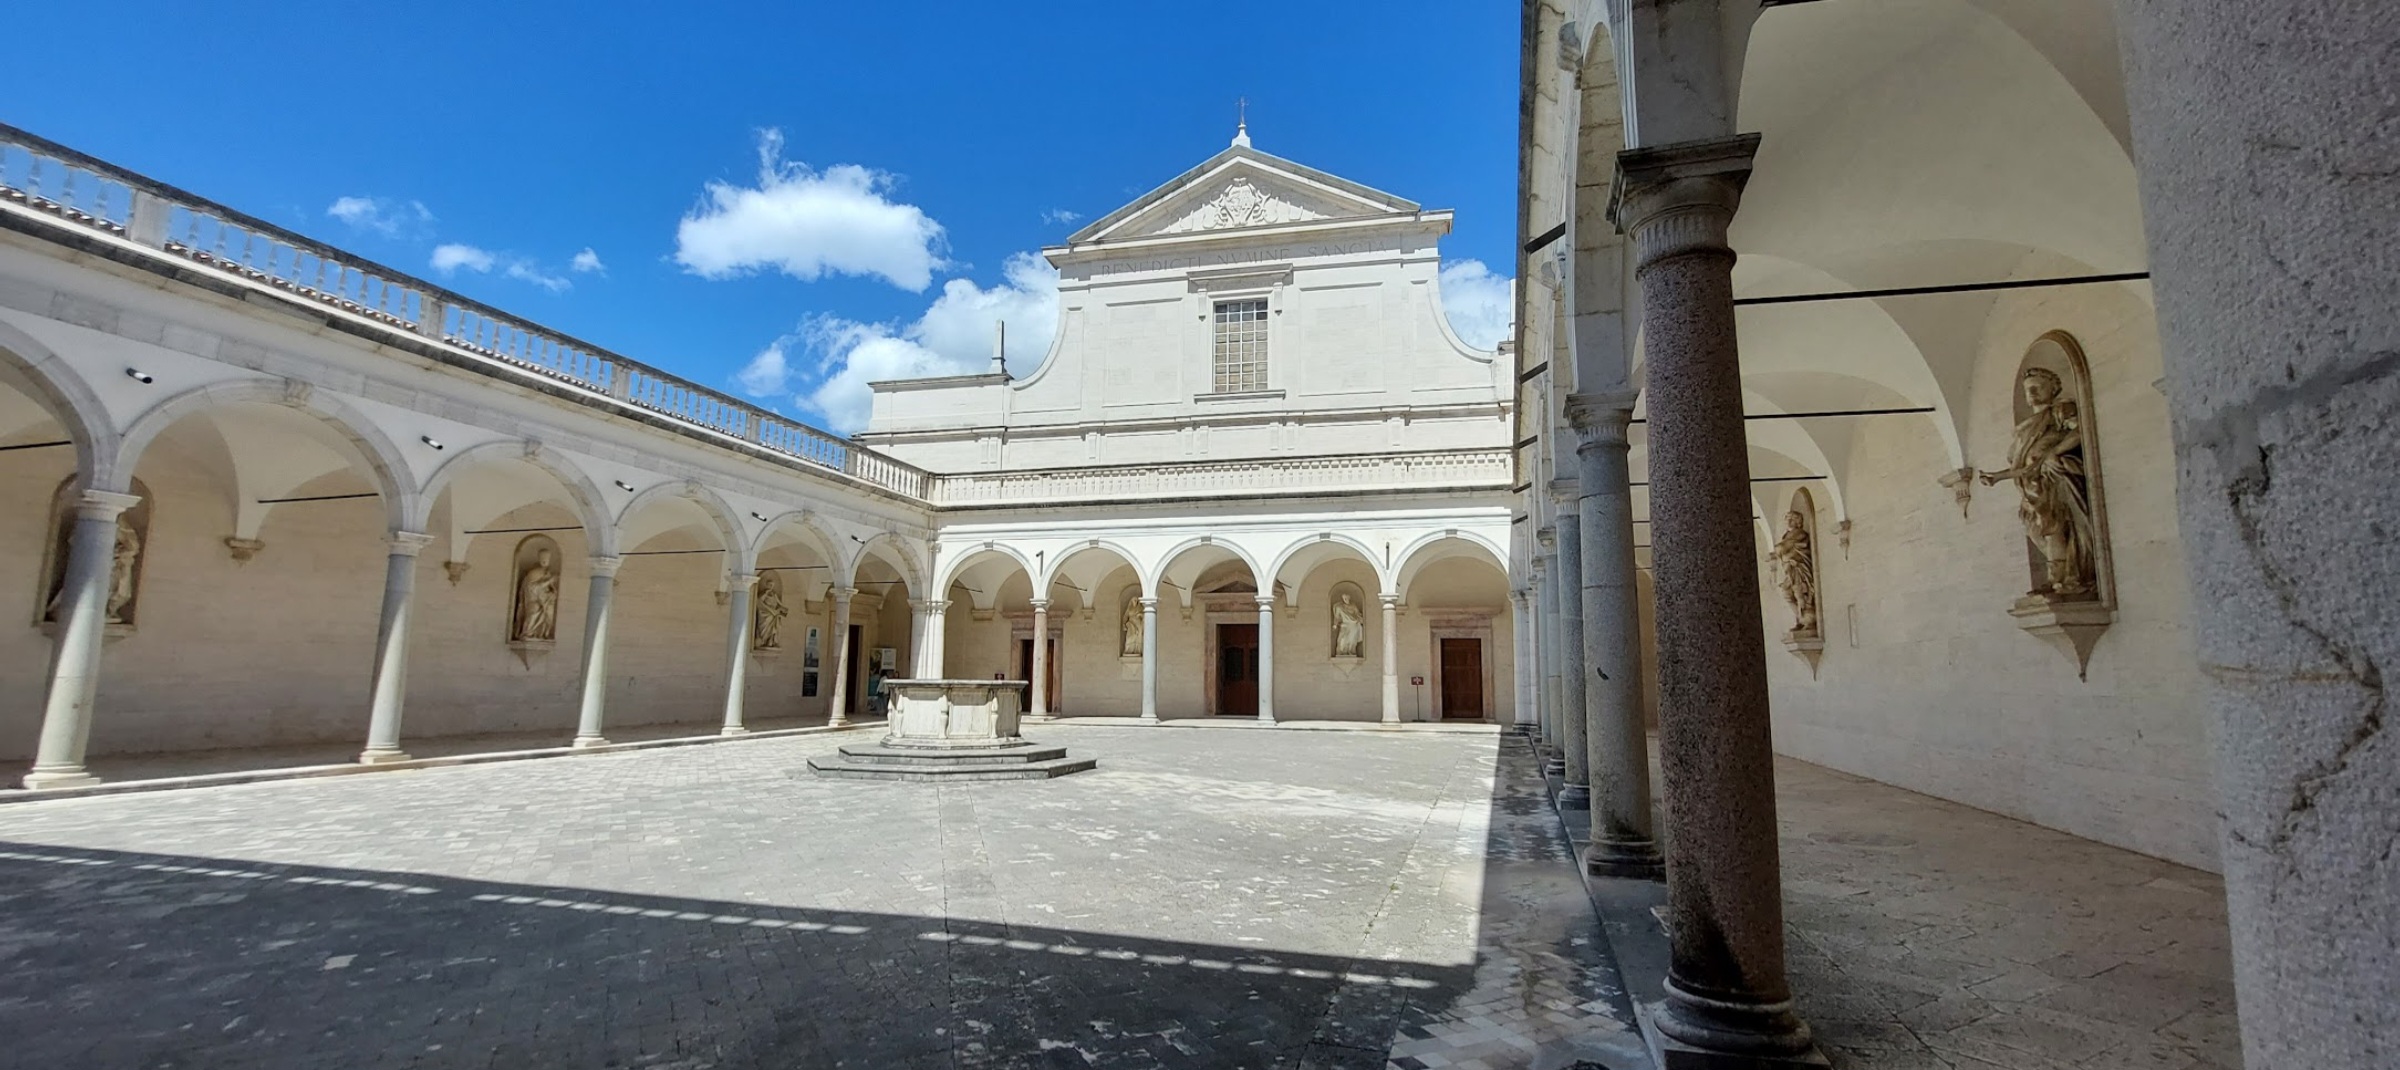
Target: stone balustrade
(1253, 477)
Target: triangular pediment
(1241, 188)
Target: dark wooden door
(1462, 679)
(855, 701)
(1237, 670)
(1025, 673)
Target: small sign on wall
(809, 665)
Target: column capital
(1678, 199)
(930, 605)
(1149, 605)
(1390, 601)
(741, 579)
(1548, 537)
(605, 566)
(842, 595)
(1565, 489)
(104, 504)
(1600, 419)
(1265, 601)
(1040, 605)
(408, 543)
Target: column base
(733, 730)
(1695, 1032)
(1631, 861)
(1148, 718)
(381, 756)
(838, 722)
(1574, 797)
(589, 741)
(69, 777)
(1266, 719)
(1555, 765)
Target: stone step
(838, 769)
(879, 754)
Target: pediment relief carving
(1242, 202)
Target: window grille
(1241, 346)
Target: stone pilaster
(1624, 834)
(390, 687)
(1727, 991)
(590, 724)
(82, 621)
(737, 650)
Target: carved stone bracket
(1962, 487)
(243, 549)
(456, 569)
(1808, 647)
(2073, 627)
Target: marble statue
(537, 601)
(121, 568)
(1349, 628)
(1796, 568)
(766, 613)
(1131, 644)
(2046, 461)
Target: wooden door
(1237, 670)
(1462, 679)
(1025, 673)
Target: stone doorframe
(1473, 624)
(1020, 626)
(1216, 609)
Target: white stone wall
(1942, 692)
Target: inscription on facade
(1231, 258)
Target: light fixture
(139, 376)
(758, 516)
(428, 440)
(622, 485)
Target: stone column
(838, 711)
(595, 652)
(390, 686)
(737, 651)
(1726, 987)
(1521, 661)
(1266, 659)
(1040, 684)
(1150, 660)
(1575, 786)
(1391, 657)
(935, 631)
(1554, 761)
(920, 655)
(2282, 354)
(82, 626)
(1624, 836)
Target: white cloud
(808, 223)
(587, 260)
(767, 372)
(1481, 306)
(451, 256)
(1056, 216)
(953, 337)
(386, 217)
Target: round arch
(977, 554)
(1445, 545)
(404, 504)
(1223, 550)
(600, 533)
(1065, 565)
(893, 550)
(1311, 552)
(804, 525)
(32, 368)
(729, 533)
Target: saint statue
(1131, 645)
(120, 576)
(1796, 565)
(767, 613)
(2046, 460)
(1349, 629)
(537, 601)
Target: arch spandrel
(1448, 544)
(652, 512)
(1293, 563)
(1181, 566)
(576, 491)
(373, 452)
(31, 368)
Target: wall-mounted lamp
(758, 516)
(139, 376)
(428, 440)
(624, 486)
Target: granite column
(1624, 833)
(1575, 787)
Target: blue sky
(597, 167)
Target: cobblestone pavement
(1303, 900)
(1925, 935)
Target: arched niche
(1792, 566)
(2054, 464)
(126, 560)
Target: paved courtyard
(1205, 899)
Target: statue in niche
(534, 618)
(1349, 627)
(2046, 460)
(123, 562)
(126, 556)
(1795, 562)
(767, 612)
(1130, 644)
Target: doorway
(854, 700)
(1237, 670)
(1462, 679)
(1050, 692)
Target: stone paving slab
(1203, 899)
